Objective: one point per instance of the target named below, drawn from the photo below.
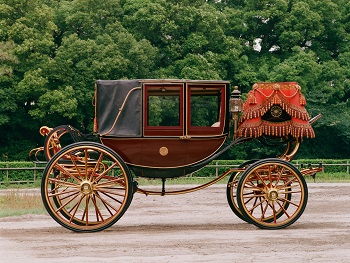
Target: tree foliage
(52, 51)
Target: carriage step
(311, 170)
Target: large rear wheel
(272, 194)
(86, 187)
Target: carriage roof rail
(182, 80)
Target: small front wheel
(272, 194)
(86, 187)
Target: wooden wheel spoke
(269, 174)
(255, 201)
(256, 205)
(283, 209)
(107, 204)
(97, 211)
(66, 172)
(75, 208)
(66, 194)
(280, 172)
(73, 159)
(250, 182)
(253, 188)
(86, 158)
(68, 202)
(249, 199)
(246, 194)
(111, 183)
(254, 196)
(260, 178)
(102, 175)
(272, 205)
(112, 191)
(99, 161)
(86, 211)
(289, 183)
(263, 211)
(113, 198)
(289, 201)
(61, 183)
(292, 192)
(56, 187)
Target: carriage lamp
(236, 105)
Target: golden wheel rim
(272, 194)
(90, 192)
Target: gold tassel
(252, 98)
(277, 100)
(302, 100)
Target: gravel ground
(195, 227)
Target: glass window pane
(205, 108)
(164, 108)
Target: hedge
(20, 175)
(330, 165)
(334, 166)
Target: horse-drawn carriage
(170, 128)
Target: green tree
(26, 37)
(7, 62)
(92, 45)
(52, 51)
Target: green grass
(14, 202)
(329, 178)
(11, 185)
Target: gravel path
(195, 227)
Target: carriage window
(205, 107)
(163, 110)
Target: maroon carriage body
(162, 128)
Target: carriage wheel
(231, 190)
(86, 187)
(231, 193)
(272, 194)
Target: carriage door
(206, 108)
(164, 109)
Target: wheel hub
(272, 194)
(86, 187)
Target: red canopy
(275, 109)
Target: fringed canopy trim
(261, 100)
(264, 95)
(281, 129)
